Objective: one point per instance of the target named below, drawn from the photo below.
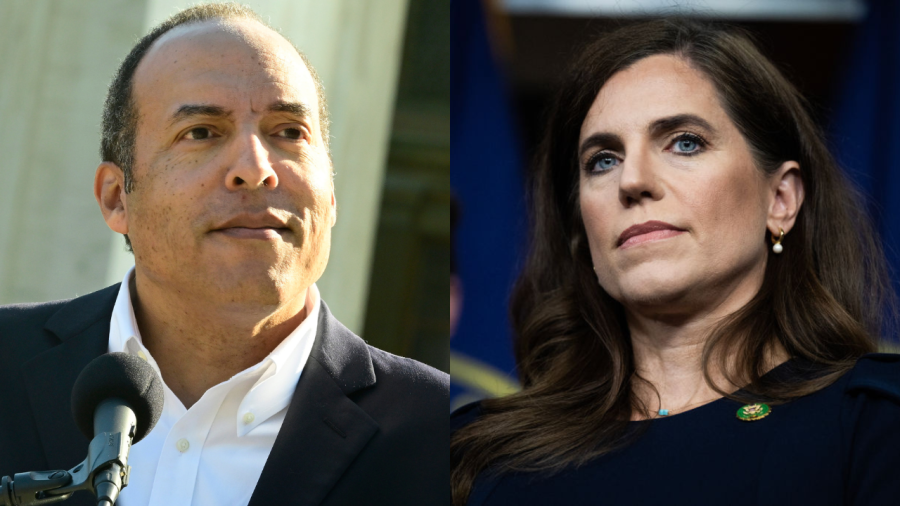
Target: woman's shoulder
(465, 415)
(871, 390)
(870, 418)
(875, 374)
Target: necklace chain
(668, 412)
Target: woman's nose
(639, 178)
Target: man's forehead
(246, 30)
(218, 46)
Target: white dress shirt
(213, 453)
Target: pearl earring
(776, 243)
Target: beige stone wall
(56, 60)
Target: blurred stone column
(56, 60)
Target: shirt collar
(273, 389)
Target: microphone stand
(103, 469)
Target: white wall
(56, 60)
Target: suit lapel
(323, 430)
(82, 326)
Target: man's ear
(109, 190)
(333, 205)
(788, 193)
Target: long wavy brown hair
(822, 300)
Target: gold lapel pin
(752, 412)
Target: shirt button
(182, 445)
(248, 418)
(142, 355)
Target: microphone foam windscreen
(122, 376)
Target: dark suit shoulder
(28, 329)
(22, 333)
(31, 315)
(413, 385)
(45, 346)
(409, 370)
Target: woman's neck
(668, 355)
(670, 359)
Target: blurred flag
(486, 177)
(866, 125)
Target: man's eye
(290, 133)
(198, 134)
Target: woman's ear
(787, 197)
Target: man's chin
(251, 284)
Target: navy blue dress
(838, 446)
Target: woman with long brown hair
(696, 320)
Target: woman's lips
(647, 232)
(655, 235)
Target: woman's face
(674, 207)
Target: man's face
(233, 196)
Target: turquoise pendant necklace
(747, 413)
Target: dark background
(406, 311)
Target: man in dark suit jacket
(364, 427)
(216, 170)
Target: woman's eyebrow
(604, 139)
(656, 128)
(669, 123)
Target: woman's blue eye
(604, 162)
(687, 145)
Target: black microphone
(122, 396)
(116, 401)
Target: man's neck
(198, 345)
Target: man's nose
(251, 169)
